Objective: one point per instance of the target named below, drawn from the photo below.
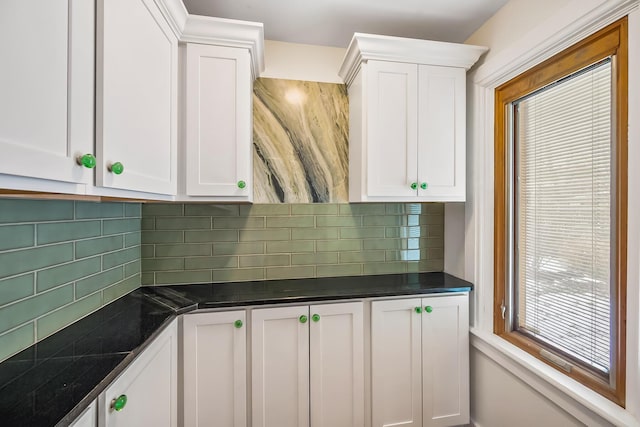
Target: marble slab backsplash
(199, 243)
(300, 138)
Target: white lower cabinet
(307, 366)
(145, 394)
(420, 361)
(89, 417)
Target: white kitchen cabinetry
(307, 366)
(407, 106)
(146, 392)
(46, 91)
(219, 135)
(136, 97)
(214, 357)
(89, 417)
(420, 362)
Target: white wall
(294, 61)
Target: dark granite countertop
(53, 381)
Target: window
(560, 211)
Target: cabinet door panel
(337, 365)
(218, 130)
(396, 379)
(392, 147)
(445, 361)
(441, 146)
(137, 60)
(88, 418)
(215, 369)
(280, 367)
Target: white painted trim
(175, 13)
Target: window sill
(581, 402)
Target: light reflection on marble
(300, 141)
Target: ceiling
(333, 22)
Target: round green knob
(117, 168)
(242, 184)
(119, 403)
(238, 324)
(315, 317)
(424, 185)
(88, 161)
(418, 310)
(303, 319)
(428, 309)
(414, 185)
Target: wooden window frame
(610, 41)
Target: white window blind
(562, 212)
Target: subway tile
(162, 209)
(314, 209)
(361, 257)
(290, 222)
(162, 264)
(19, 210)
(404, 232)
(183, 277)
(16, 340)
(362, 209)
(434, 208)
(434, 230)
(16, 236)
(385, 268)
(115, 226)
(432, 242)
(147, 251)
(132, 239)
(99, 281)
(147, 279)
(390, 244)
(120, 257)
(183, 223)
(390, 220)
(132, 268)
(58, 319)
(242, 222)
(290, 246)
(264, 260)
(211, 210)
(338, 245)
(238, 275)
(21, 312)
(405, 255)
(120, 289)
(362, 233)
(133, 210)
(403, 208)
(90, 210)
(163, 237)
(258, 235)
(339, 270)
(265, 209)
(296, 272)
(314, 233)
(65, 231)
(238, 248)
(211, 236)
(66, 273)
(437, 219)
(87, 248)
(314, 258)
(16, 288)
(186, 249)
(202, 263)
(426, 265)
(435, 253)
(148, 223)
(339, 221)
(25, 260)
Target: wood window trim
(611, 40)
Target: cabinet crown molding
(364, 47)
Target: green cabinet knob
(315, 317)
(418, 310)
(424, 185)
(88, 161)
(414, 185)
(303, 319)
(116, 168)
(428, 309)
(242, 184)
(238, 324)
(119, 403)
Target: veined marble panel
(300, 141)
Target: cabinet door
(149, 385)
(337, 365)
(215, 369)
(88, 418)
(396, 378)
(441, 146)
(136, 108)
(280, 367)
(445, 360)
(219, 132)
(392, 129)
(46, 88)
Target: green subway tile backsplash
(61, 260)
(195, 243)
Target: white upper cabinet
(46, 89)
(407, 118)
(136, 97)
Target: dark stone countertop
(53, 381)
